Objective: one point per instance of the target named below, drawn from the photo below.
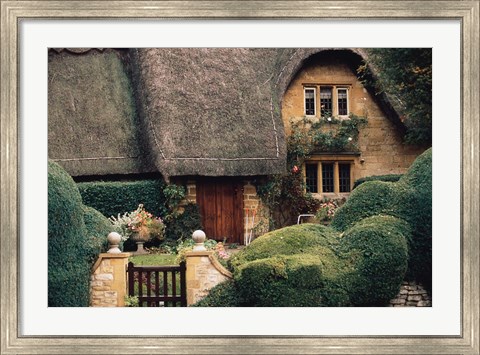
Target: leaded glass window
(342, 102)
(344, 177)
(326, 101)
(310, 102)
(311, 177)
(327, 177)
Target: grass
(153, 259)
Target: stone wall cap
(199, 253)
(115, 256)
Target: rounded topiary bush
(377, 247)
(98, 227)
(409, 199)
(291, 240)
(224, 294)
(369, 199)
(68, 267)
(281, 281)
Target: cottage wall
(381, 148)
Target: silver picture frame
(467, 12)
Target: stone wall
(411, 295)
(252, 202)
(108, 283)
(203, 273)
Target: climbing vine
(285, 195)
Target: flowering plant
(139, 224)
(327, 210)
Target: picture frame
(467, 12)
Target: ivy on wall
(285, 195)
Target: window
(327, 177)
(330, 176)
(326, 100)
(311, 177)
(342, 102)
(333, 100)
(344, 177)
(310, 101)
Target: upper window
(333, 101)
(310, 101)
(342, 99)
(326, 101)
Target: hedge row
(76, 236)
(385, 178)
(114, 197)
(117, 197)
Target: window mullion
(336, 178)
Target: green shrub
(384, 178)
(184, 224)
(281, 281)
(224, 294)
(98, 228)
(303, 238)
(377, 246)
(409, 199)
(68, 264)
(369, 199)
(114, 197)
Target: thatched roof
(210, 111)
(91, 114)
(195, 111)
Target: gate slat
(153, 297)
(157, 293)
(165, 286)
(174, 287)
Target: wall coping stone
(210, 254)
(109, 256)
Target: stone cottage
(215, 120)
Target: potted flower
(140, 226)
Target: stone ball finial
(113, 242)
(199, 237)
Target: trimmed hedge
(224, 294)
(304, 238)
(310, 265)
(379, 247)
(68, 264)
(114, 197)
(409, 199)
(98, 228)
(384, 178)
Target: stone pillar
(108, 283)
(203, 271)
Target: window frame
(336, 160)
(314, 88)
(317, 87)
(338, 88)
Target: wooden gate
(221, 206)
(158, 286)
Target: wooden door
(221, 206)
